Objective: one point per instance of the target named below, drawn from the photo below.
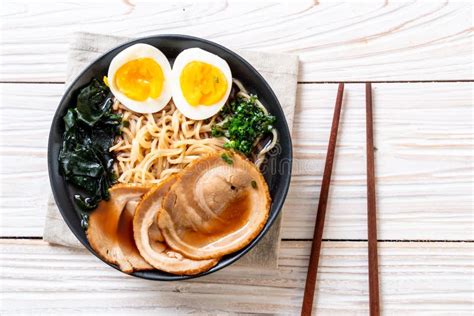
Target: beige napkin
(280, 71)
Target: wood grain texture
(424, 159)
(417, 278)
(424, 156)
(354, 41)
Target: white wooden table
(420, 56)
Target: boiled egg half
(201, 83)
(140, 78)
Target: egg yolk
(140, 79)
(202, 83)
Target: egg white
(141, 51)
(198, 112)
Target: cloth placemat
(280, 71)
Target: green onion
(254, 184)
(227, 159)
(244, 122)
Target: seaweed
(90, 128)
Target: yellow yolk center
(202, 83)
(140, 79)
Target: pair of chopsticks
(323, 199)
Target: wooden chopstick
(371, 207)
(321, 214)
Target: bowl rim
(53, 174)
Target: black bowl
(277, 169)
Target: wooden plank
(416, 278)
(424, 141)
(423, 133)
(364, 40)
